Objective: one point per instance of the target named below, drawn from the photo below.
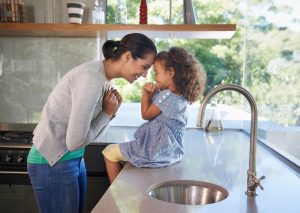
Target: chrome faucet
(252, 181)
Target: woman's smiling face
(136, 68)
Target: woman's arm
(148, 110)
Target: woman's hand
(110, 102)
(119, 98)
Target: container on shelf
(75, 12)
(143, 12)
(189, 12)
(99, 12)
(121, 12)
(12, 11)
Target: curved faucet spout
(252, 181)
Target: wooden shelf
(201, 31)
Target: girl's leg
(60, 188)
(112, 168)
(112, 158)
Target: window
(263, 57)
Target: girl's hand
(110, 103)
(149, 110)
(150, 87)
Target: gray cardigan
(72, 116)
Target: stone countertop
(221, 160)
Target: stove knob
(8, 158)
(20, 159)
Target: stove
(15, 143)
(16, 193)
(15, 137)
(15, 188)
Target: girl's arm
(148, 110)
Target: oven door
(16, 193)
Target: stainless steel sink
(188, 192)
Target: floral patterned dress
(158, 142)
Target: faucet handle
(262, 177)
(257, 182)
(253, 183)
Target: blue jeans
(60, 188)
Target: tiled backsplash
(30, 67)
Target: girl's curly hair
(189, 77)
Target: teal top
(35, 156)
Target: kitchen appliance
(16, 193)
(15, 143)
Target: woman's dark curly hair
(189, 77)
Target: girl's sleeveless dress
(158, 142)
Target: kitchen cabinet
(97, 179)
(197, 31)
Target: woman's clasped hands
(111, 102)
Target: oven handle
(14, 172)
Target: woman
(76, 112)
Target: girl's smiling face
(162, 76)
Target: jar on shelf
(12, 11)
(99, 12)
(121, 12)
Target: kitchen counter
(219, 159)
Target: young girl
(180, 79)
